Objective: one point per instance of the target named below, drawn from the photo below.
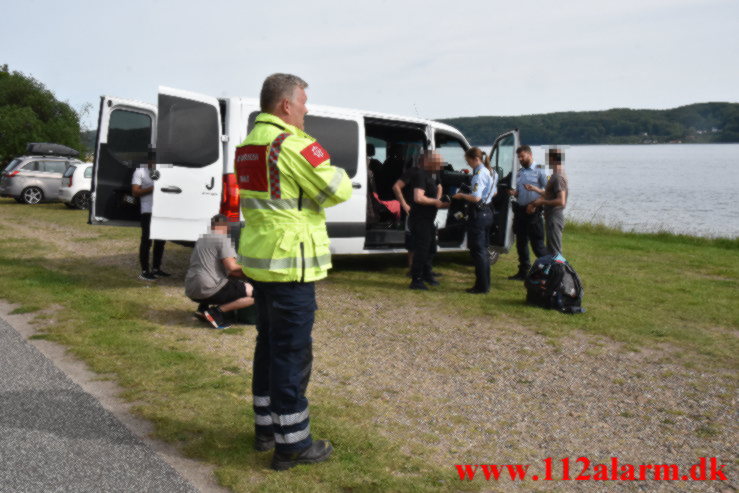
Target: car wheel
(81, 200)
(494, 255)
(32, 195)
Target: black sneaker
(160, 273)
(517, 277)
(147, 276)
(418, 285)
(263, 443)
(215, 317)
(199, 313)
(431, 281)
(436, 274)
(319, 451)
(475, 291)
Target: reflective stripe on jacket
(286, 180)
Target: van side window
(339, 137)
(129, 136)
(32, 166)
(503, 157)
(88, 172)
(452, 150)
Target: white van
(195, 137)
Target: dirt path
(455, 390)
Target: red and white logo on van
(315, 154)
(251, 168)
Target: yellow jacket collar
(270, 118)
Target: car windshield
(11, 165)
(69, 171)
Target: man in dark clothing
(426, 201)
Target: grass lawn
(390, 364)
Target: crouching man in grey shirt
(214, 280)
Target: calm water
(682, 188)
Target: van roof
(371, 114)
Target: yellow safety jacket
(285, 181)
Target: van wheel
(494, 255)
(81, 200)
(32, 195)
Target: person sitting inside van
(214, 280)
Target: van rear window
(339, 137)
(129, 136)
(188, 132)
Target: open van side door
(126, 130)
(504, 161)
(187, 192)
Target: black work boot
(263, 443)
(520, 275)
(318, 451)
(417, 284)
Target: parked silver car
(76, 183)
(33, 179)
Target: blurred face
(433, 162)
(295, 109)
(220, 228)
(525, 158)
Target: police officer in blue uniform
(529, 228)
(484, 184)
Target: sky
(431, 59)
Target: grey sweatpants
(555, 224)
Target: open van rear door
(126, 130)
(504, 161)
(190, 164)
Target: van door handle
(171, 190)
(356, 185)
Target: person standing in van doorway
(142, 186)
(286, 180)
(527, 227)
(426, 201)
(484, 184)
(554, 200)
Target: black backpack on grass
(553, 283)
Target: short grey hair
(277, 87)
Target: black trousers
(478, 239)
(529, 228)
(145, 245)
(283, 359)
(423, 233)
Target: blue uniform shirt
(529, 176)
(483, 183)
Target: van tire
(32, 195)
(81, 200)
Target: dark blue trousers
(478, 239)
(282, 362)
(529, 228)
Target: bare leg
(248, 300)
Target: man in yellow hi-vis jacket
(286, 180)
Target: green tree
(29, 112)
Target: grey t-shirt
(206, 274)
(557, 183)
